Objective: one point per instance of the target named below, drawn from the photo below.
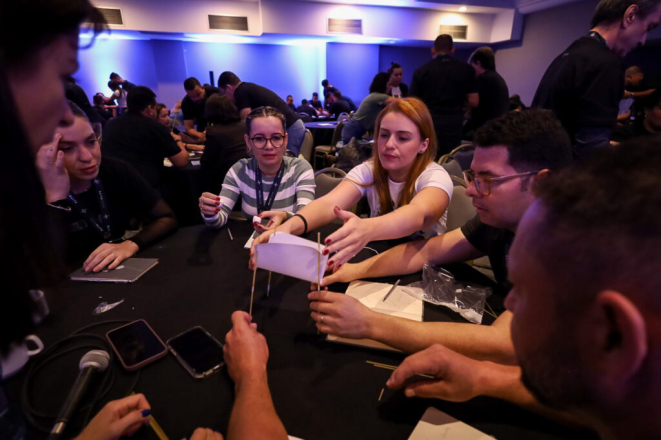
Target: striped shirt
(296, 189)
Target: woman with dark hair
(96, 199)
(184, 141)
(408, 193)
(363, 120)
(225, 144)
(269, 184)
(396, 88)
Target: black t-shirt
(306, 109)
(105, 114)
(249, 95)
(224, 146)
(339, 106)
(195, 110)
(140, 141)
(316, 104)
(583, 86)
(128, 196)
(494, 98)
(77, 95)
(443, 84)
(493, 242)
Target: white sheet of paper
(399, 303)
(436, 425)
(293, 256)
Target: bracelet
(305, 222)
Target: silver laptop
(129, 271)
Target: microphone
(90, 363)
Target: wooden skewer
(155, 426)
(394, 367)
(268, 286)
(254, 276)
(381, 395)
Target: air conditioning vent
(112, 16)
(457, 32)
(227, 23)
(345, 26)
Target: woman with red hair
(407, 191)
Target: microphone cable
(77, 341)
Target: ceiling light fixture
(462, 9)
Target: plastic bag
(438, 286)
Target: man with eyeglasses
(512, 152)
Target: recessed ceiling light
(462, 9)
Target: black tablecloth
(321, 390)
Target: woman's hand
(349, 239)
(110, 254)
(118, 418)
(264, 238)
(54, 177)
(210, 204)
(276, 218)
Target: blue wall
(132, 59)
(351, 68)
(163, 65)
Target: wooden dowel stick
(254, 276)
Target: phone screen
(197, 349)
(135, 343)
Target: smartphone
(136, 344)
(199, 352)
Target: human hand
(110, 254)
(205, 434)
(118, 418)
(246, 351)
(350, 239)
(210, 204)
(458, 378)
(264, 238)
(54, 177)
(276, 218)
(340, 314)
(339, 274)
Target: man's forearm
(253, 415)
(481, 342)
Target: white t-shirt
(433, 176)
(120, 96)
(396, 92)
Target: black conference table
(322, 131)
(321, 390)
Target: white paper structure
(293, 256)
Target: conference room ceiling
(472, 6)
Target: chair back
(305, 117)
(461, 208)
(337, 133)
(343, 117)
(464, 155)
(454, 169)
(306, 146)
(326, 180)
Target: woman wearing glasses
(407, 192)
(97, 199)
(270, 185)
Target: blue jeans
(296, 132)
(352, 129)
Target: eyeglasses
(483, 184)
(277, 140)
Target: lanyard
(261, 206)
(104, 228)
